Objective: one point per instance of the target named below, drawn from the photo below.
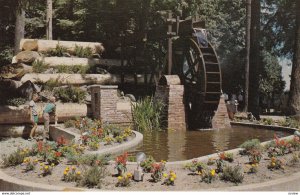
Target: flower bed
(254, 164)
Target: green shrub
(147, 164)
(16, 101)
(70, 94)
(93, 177)
(249, 145)
(290, 122)
(6, 54)
(208, 175)
(58, 51)
(39, 66)
(268, 121)
(15, 158)
(69, 123)
(233, 174)
(294, 159)
(147, 114)
(50, 84)
(195, 166)
(94, 159)
(81, 52)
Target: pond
(176, 145)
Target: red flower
(84, 137)
(61, 140)
(222, 156)
(58, 154)
(40, 146)
(122, 159)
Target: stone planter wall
(108, 107)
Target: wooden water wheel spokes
(191, 67)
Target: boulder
(27, 57)
(14, 71)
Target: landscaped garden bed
(67, 164)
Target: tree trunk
(19, 29)
(47, 45)
(248, 27)
(87, 79)
(294, 99)
(49, 20)
(254, 68)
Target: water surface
(176, 145)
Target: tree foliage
(104, 20)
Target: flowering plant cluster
(61, 141)
(46, 169)
(147, 164)
(169, 178)
(280, 148)
(252, 168)
(124, 181)
(211, 161)
(254, 155)
(220, 165)
(226, 156)
(29, 164)
(71, 175)
(195, 166)
(109, 140)
(121, 162)
(276, 164)
(157, 170)
(208, 175)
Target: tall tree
(49, 20)
(248, 41)
(294, 100)
(19, 26)
(254, 68)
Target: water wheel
(197, 65)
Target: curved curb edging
(122, 147)
(111, 150)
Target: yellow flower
(213, 172)
(65, 172)
(273, 164)
(78, 172)
(67, 169)
(120, 178)
(129, 175)
(36, 160)
(46, 167)
(41, 164)
(253, 165)
(163, 161)
(165, 175)
(52, 164)
(73, 168)
(172, 179)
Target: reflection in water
(176, 144)
(173, 146)
(220, 140)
